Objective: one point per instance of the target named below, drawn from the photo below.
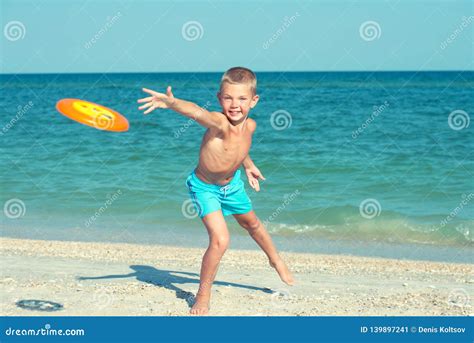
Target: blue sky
(145, 36)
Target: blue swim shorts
(230, 198)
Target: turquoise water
(353, 137)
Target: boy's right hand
(156, 100)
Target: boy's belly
(219, 159)
(215, 177)
(218, 169)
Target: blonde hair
(240, 75)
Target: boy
(215, 185)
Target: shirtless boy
(215, 186)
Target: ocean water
(349, 157)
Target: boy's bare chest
(230, 145)
(234, 143)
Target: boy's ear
(218, 95)
(254, 100)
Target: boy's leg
(257, 231)
(218, 243)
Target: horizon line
(256, 71)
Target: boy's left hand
(253, 174)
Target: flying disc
(91, 114)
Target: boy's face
(236, 100)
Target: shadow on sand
(169, 279)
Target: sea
(358, 163)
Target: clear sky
(43, 36)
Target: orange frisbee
(91, 114)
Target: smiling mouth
(233, 113)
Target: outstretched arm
(119, 276)
(188, 109)
(253, 173)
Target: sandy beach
(82, 278)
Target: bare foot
(283, 272)
(201, 305)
